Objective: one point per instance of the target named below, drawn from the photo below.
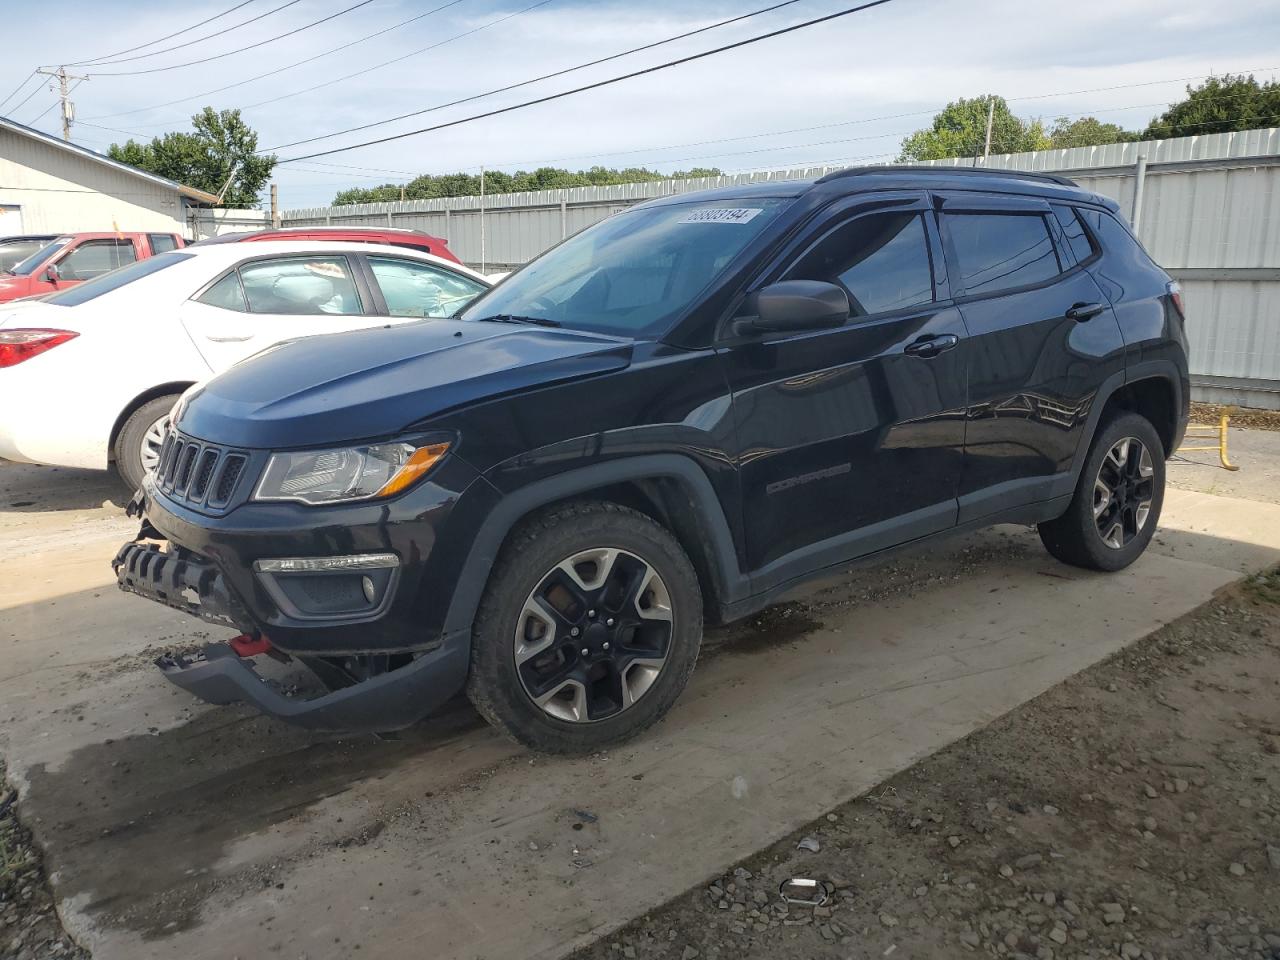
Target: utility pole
(64, 94)
(275, 208)
(482, 250)
(991, 115)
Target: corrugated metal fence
(1208, 210)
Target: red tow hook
(247, 646)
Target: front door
(1042, 339)
(851, 439)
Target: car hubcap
(593, 635)
(1122, 492)
(152, 441)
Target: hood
(371, 384)
(13, 287)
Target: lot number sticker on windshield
(721, 215)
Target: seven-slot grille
(198, 473)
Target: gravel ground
(29, 927)
(1131, 812)
(1240, 416)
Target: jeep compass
(672, 417)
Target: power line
(522, 83)
(272, 73)
(230, 53)
(55, 103)
(23, 102)
(379, 66)
(599, 83)
(151, 43)
(18, 88)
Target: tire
(138, 430)
(568, 569)
(1100, 532)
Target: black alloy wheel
(593, 635)
(1122, 492)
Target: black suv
(673, 416)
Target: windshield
(113, 280)
(28, 266)
(13, 252)
(632, 274)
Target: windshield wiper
(516, 318)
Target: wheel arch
(1154, 397)
(146, 396)
(671, 489)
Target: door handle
(930, 345)
(247, 336)
(1080, 312)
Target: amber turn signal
(419, 462)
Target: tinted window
(882, 261)
(13, 252)
(93, 258)
(162, 242)
(301, 285)
(227, 293)
(1115, 238)
(90, 290)
(1073, 230)
(29, 265)
(414, 289)
(998, 251)
(636, 272)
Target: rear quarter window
(1074, 233)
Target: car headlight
(350, 473)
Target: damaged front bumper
(221, 674)
(393, 700)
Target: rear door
(851, 439)
(1042, 339)
(413, 289)
(265, 300)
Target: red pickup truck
(74, 257)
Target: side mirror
(793, 305)
(51, 273)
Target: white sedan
(89, 375)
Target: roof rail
(951, 171)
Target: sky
(845, 91)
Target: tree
(1088, 132)
(960, 131)
(1219, 105)
(205, 158)
(429, 186)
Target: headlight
(351, 473)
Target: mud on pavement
(1133, 811)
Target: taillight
(19, 345)
(1175, 294)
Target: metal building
(50, 186)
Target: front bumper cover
(180, 580)
(390, 701)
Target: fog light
(370, 592)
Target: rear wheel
(137, 449)
(1117, 502)
(588, 629)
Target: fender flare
(1165, 370)
(513, 507)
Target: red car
(414, 239)
(75, 257)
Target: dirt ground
(1209, 413)
(1133, 811)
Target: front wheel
(137, 449)
(1117, 501)
(588, 629)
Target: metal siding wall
(1222, 215)
(62, 193)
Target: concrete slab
(176, 829)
